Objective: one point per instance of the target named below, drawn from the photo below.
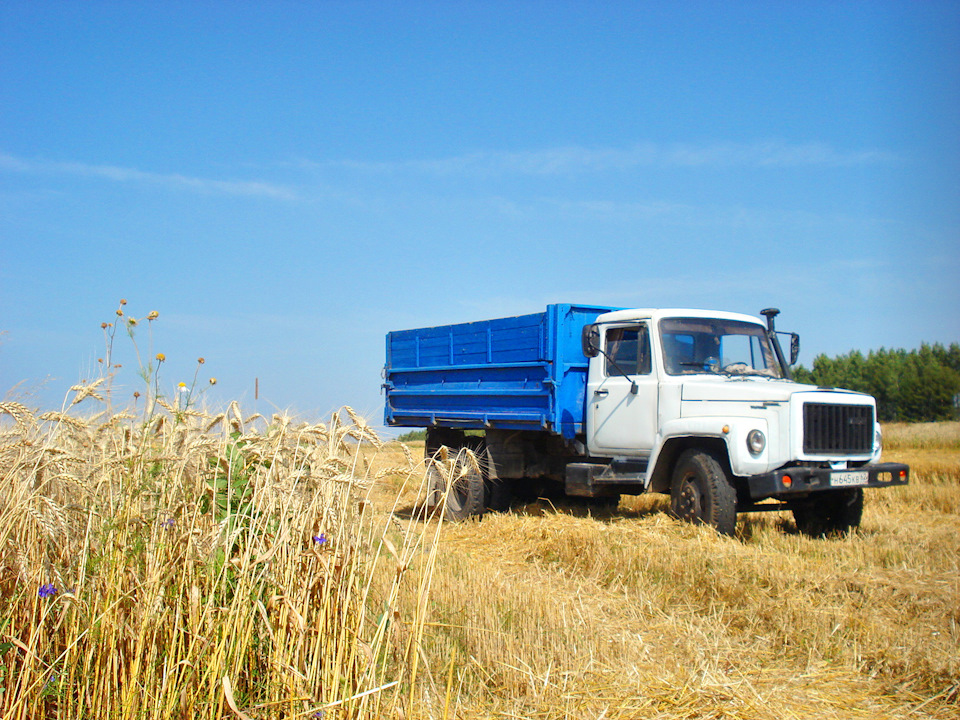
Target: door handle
(601, 393)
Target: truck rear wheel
(467, 495)
(701, 493)
(834, 512)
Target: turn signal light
(787, 481)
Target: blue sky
(285, 182)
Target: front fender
(715, 432)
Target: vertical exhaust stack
(770, 314)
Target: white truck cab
(699, 404)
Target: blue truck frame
(523, 373)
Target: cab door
(622, 420)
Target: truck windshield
(712, 345)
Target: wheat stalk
(88, 390)
(21, 415)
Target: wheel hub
(690, 500)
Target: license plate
(847, 479)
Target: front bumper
(793, 481)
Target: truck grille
(837, 429)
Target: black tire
(701, 492)
(836, 512)
(467, 497)
(435, 486)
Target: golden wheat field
(164, 562)
(550, 611)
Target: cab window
(628, 348)
(716, 346)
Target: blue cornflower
(47, 590)
(168, 523)
(320, 539)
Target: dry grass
(551, 612)
(922, 436)
(191, 582)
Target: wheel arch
(662, 475)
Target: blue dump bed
(524, 373)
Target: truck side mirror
(794, 348)
(590, 340)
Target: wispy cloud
(571, 160)
(549, 162)
(769, 154)
(175, 181)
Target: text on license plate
(840, 479)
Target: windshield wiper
(699, 366)
(746, 372)
(714, 370)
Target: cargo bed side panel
(525, 372)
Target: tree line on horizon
(910, 386)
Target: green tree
(914, 386)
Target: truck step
(593, 479)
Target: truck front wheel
(827, 513)
(701, 493)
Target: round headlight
(756, 442)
